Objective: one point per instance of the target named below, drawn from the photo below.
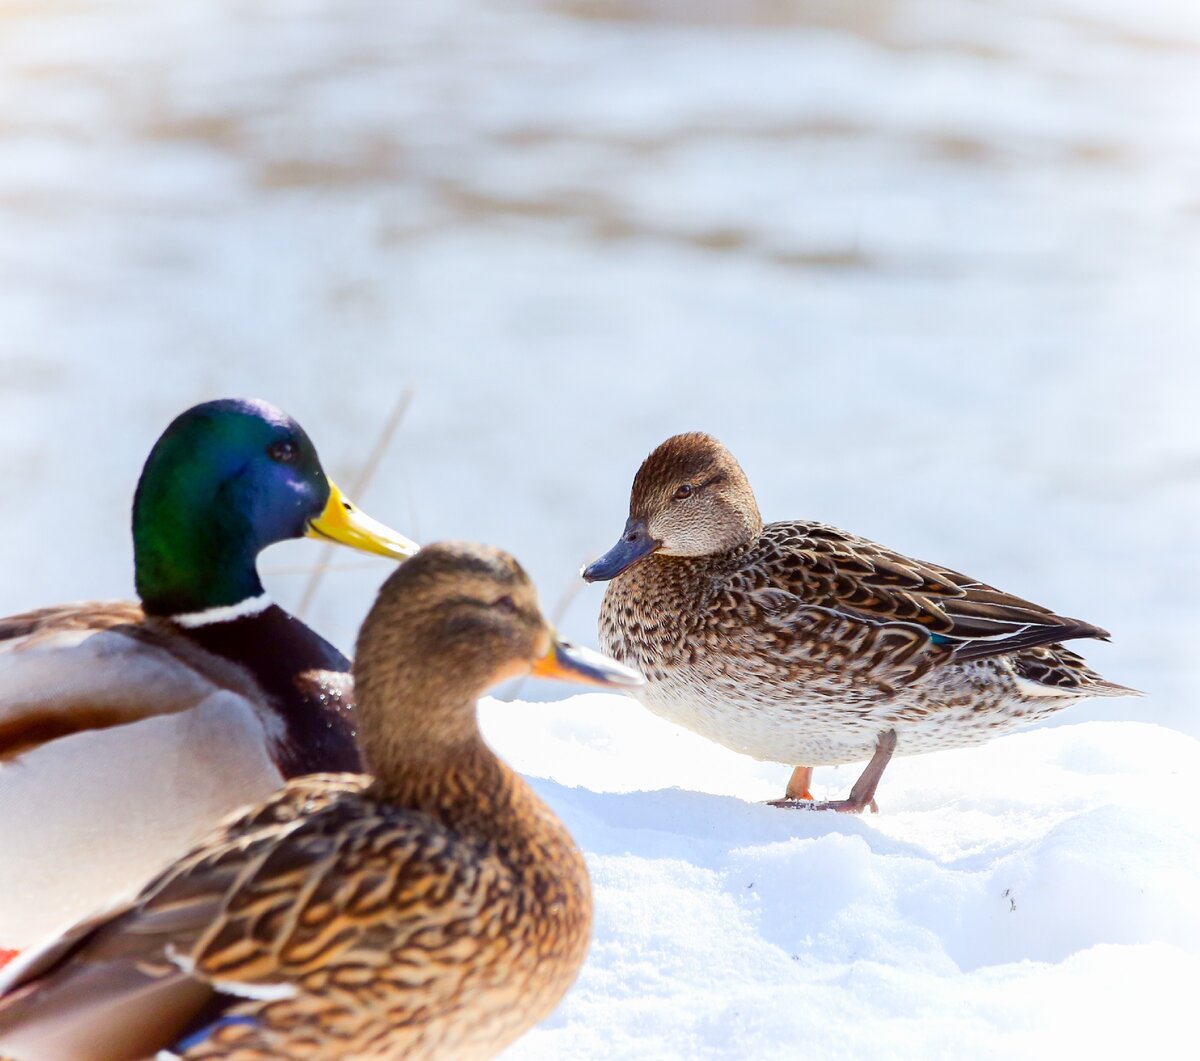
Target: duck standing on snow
(796, 642)
(438, 909)
(127, 729)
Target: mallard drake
(799, 643)
(127, 729)
(434, 909)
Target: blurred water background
(931, 268)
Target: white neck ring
(225, 613)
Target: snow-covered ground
(929, 267)
(1032, 898)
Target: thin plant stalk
(358, 488)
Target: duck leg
(862, 795)
(799, 786)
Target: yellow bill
(346, 524)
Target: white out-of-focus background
(931, 268)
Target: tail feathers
(1055, 670)
(97, 1013)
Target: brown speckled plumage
(438, 909)
(417, 934)
(796, 642)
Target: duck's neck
(184, 565)
(471, 790)
(441, 764)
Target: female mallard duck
(125, 729)
(438, 909)
(796, 642)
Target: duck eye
(283, 451)
(686, 490)
(505, 604)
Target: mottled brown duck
(434, 909)
(127, 729)
(799, 643)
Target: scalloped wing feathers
(852, 577)
(318, 875)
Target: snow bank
(1032, 896)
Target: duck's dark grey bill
(573, 663)
(635, 543)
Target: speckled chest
(709, 623)
(519, 940)
(548, 924)
(507, 924)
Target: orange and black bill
(572, 663)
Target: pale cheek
(514, 669)
(684, 538)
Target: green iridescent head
(226, 479)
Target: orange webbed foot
(799, 785)
(862, 795)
